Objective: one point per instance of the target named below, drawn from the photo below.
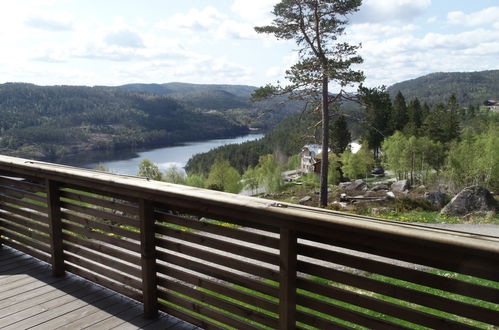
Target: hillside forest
(447, 143)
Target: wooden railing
(226, 261)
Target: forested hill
(469, 87)
(231, 100)
(51, 123)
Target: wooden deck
(30, 297)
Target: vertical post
(148, 258)
(55, 227)
(287, 278)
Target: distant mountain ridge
(469, 87)
(233, 101)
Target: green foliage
(340, 135)
(475, 159)
(400, 116)
(377, 118)
(51, 123)
(173, 174)
(413, 158)
(334, 174)
(469, 87)
(358, 165)
(224, 177)
(294, 162)
(195, 180)
(148, 169)
(287, 138)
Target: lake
(128, 163)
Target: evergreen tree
(415, 115)
(340, 135)
(376, 123)
(451, 123)
(399, 113)
(315, 26)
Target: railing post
(148, 254)
(55, 227)
(287, 278)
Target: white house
(308, 156)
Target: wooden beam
(55, 227)
(148, 253)
(287, 279)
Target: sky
(115, 42)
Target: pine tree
(340, 135)
(316, 26)
(399, 113)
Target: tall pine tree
(399, 112)
(340, 135)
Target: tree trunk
(325, 141)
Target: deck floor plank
(30, 297)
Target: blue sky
(114, 42)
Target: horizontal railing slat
(109, 204)
(105, 282)
(229, 262)
(377, 305)
(403, 293)
(216, 302)
(34, 244)
(103, 260)
(222, 289)
(106, 227)
(219, 244)
(112, 274)
(118, 219)
(204, 310)
(216, 272)
(125, 244)
(31, 186)
(23, 230)
(23, 203)
(403, 273)
(36, 216)
(25, 248)
(205, 226)
(102, 247)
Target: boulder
(470, 199)
(305, 199)
(380, 187)
(357, 185)
(436, 198)
(401, 186)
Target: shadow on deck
(30, 297)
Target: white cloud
(195, 20)
(375, 11)
(124, 38)
(50, 21)
(483, 17)
(256, 11)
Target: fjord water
(165, 157)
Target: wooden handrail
(98, 224)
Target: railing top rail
(272, 212)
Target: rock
(390, 194)
(304, 200)
(401, 186)
(380, 187)
(357, 185)
(436, 198)
(381, 210)
(470, 199)
(487, 215)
